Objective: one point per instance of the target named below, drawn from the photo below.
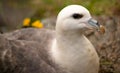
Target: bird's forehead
(72, 9)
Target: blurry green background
(12, 12)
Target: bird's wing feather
(26, 56)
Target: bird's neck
(70, 50)
(70, 43)
(66, 40)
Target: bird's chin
(100, 29)
(91, 28)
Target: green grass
(96, 7)
(48, 8)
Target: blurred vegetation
(52, 7)
(96, 7)
(13, 12)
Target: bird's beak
(95, 24)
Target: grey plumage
(24, 51)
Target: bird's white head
(75, 18)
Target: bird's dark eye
(77, 16)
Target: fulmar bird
(65, 50)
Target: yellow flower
(26, 21)
(37, 24)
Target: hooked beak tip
(99, 27)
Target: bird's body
(66, 50)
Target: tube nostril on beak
(94, 23)
(98, 24)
